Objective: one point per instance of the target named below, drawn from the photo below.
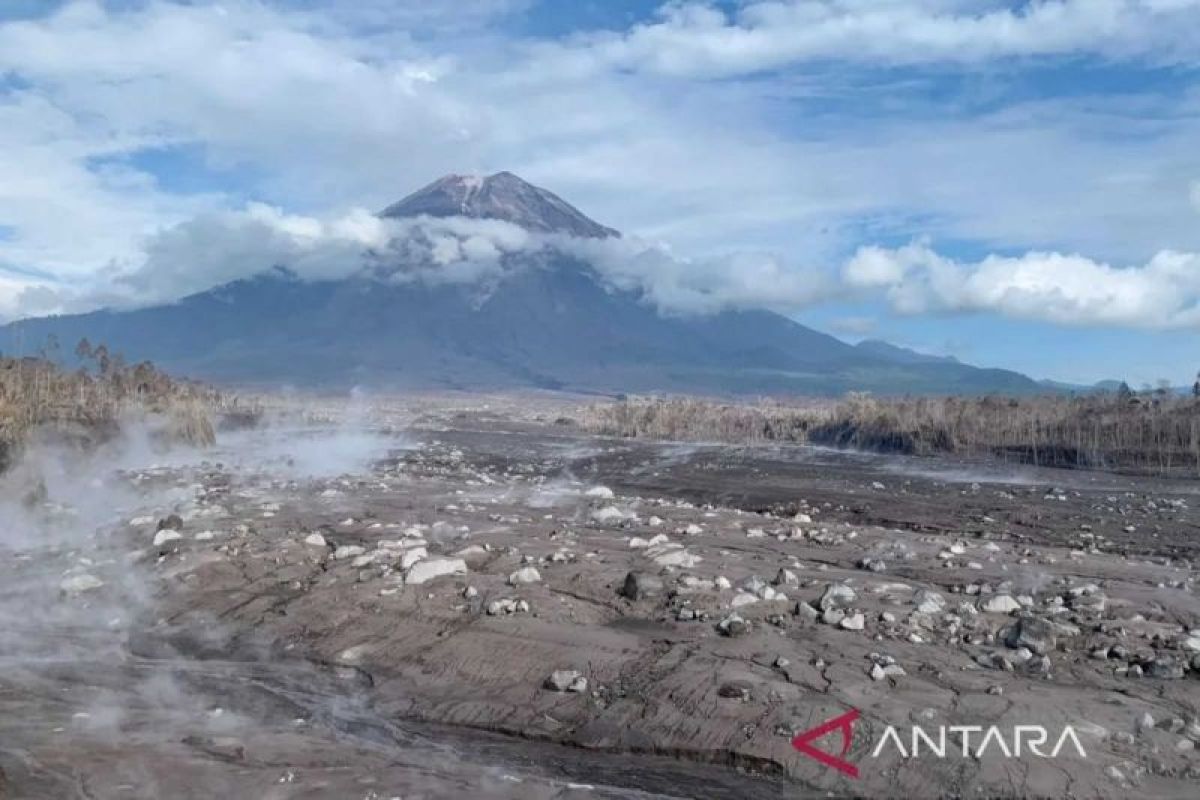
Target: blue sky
(1016, 184)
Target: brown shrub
(1154, 433)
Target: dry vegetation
(1150, 433)
(88, 403)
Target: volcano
(551, 322)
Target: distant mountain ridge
(551, 322)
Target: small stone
(315, 540)
(348, 551)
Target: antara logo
(973, 741)
(845, 724)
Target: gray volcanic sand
(285, 644)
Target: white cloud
(699, 40)
(216, 248)
(1064, 289)
(680, 285)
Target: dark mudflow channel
(174, 716)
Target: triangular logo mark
(844, 723)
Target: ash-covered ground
(471, 597)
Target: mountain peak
(502, 196)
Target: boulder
(640, 585)
(427, 570)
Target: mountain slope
(502, 196)
(551, 322)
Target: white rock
(164, 536)
(672, 555)
(412, 556)
(600, 492)
(854, 622)
(743, 599)
(929, 602)
(786, 578)
(502, 606)
(638, 542)
(836, 595)
(80, 583)
(427, 570)
(611, 514)
(1000, 604)
(316, 540)
(566, 680)
(524, 575)
(352, 655)
(349, 551)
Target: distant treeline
(1155, 432)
